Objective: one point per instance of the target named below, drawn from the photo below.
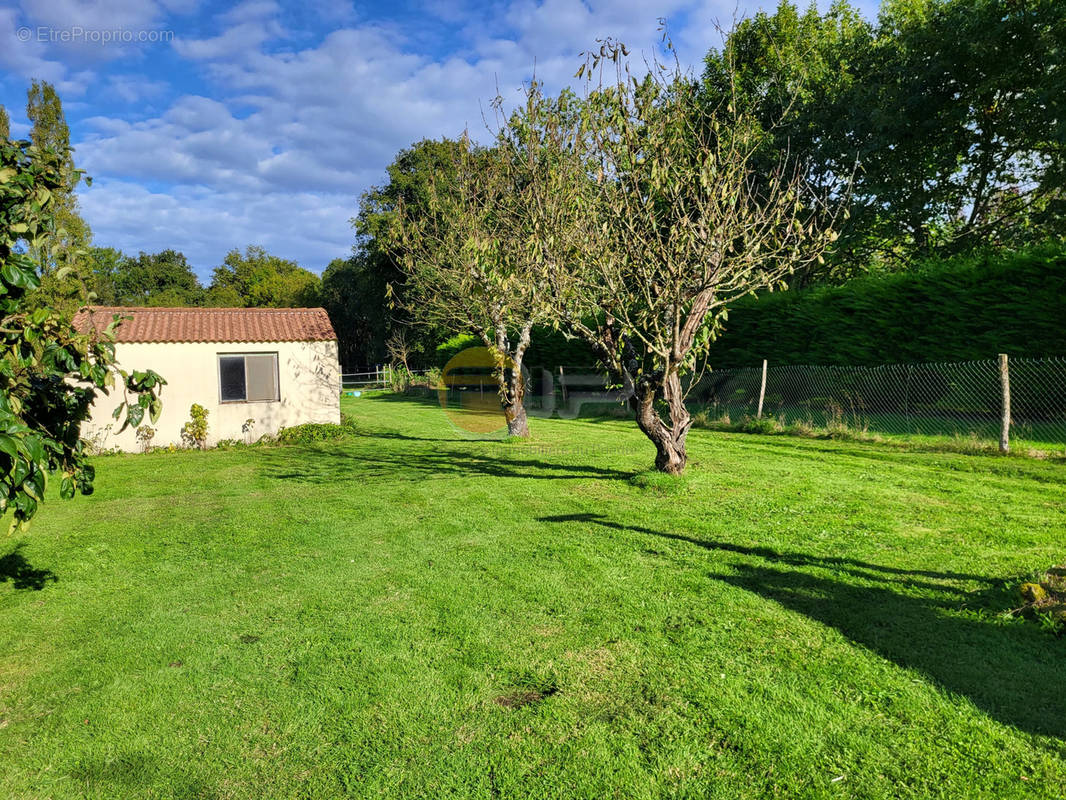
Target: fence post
(1004, 383)
(762, 391)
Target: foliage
(1044, 599)
(949, 109)
(454, 345)
(399, 377)
(145, 434)
(194, 431)
(49, 131)
(5, 124)
(957, 309)
(354, 294)
(49, 373)
(482, 253)
(149, 279)
(375, 302)
(311, 432)
(256, 279)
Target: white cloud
(311, 229)
(293, 137)
(245, 27)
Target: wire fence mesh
(962, 399)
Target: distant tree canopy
(149, 279)
(250, 279)
(950, 113)
(256, 279)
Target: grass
(411, 613)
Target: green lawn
(409, 613)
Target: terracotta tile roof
(210, 324)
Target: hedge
(959, 309)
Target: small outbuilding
(255, 370)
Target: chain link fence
(963, 399)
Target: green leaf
(8, 445)
(136, 414)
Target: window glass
(231, 377)
(262, 373)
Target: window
(248, 377)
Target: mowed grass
(413, 614)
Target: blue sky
(208, 125)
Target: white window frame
(244, 354)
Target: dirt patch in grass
(522, 697)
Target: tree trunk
(512, 398)
(511, 383)
(517, 422)
(669, 440)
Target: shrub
(194, 432)
(145, 434)
(311, 432)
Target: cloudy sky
(208, 126)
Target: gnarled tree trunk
(669, 440)
(514, 409)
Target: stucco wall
(308, 378)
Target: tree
(480, 257)
(49, 131)
(375, 266)
(678, 223)
(355, 294)
(5, 124)
(102, 267)
(951, 110)
(256, 279)
(790, 73)
(155, 279)
(459, 273)
(49, 373)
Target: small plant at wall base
(145, 434)
(194, 432)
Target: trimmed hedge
(960, 309)
(965, 308)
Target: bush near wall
(968, 307)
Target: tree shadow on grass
(15, 568)
(1011, 671)
(333, 466)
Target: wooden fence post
(762, 391)
(1004, 383)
